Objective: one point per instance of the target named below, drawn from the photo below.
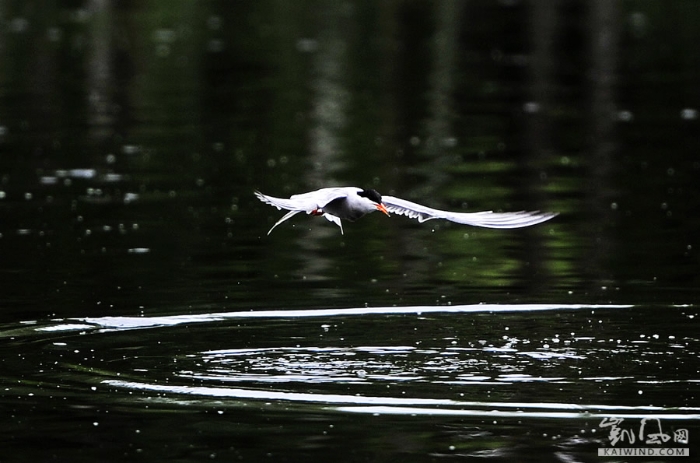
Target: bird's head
(375, 197)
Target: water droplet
(625, 116)
(130, 197)
(531, 107)
(139, 250)
(112, 177)
(307, 45)
(689, 114)
(449, 142)
(130, 149)
(81, 173)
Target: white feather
(487, 219)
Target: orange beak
(382, 207)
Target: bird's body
(351, 203)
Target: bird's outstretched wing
(487, 219)
(306, 202)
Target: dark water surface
(145, 315)
(521, 382)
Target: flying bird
(351, 203)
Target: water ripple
(414, 406)
(128, 323)
(484, 360)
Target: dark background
(133, 133)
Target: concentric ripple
(508, 361)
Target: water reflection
(328, 121)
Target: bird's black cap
(372, 195)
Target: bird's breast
(343, 209)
